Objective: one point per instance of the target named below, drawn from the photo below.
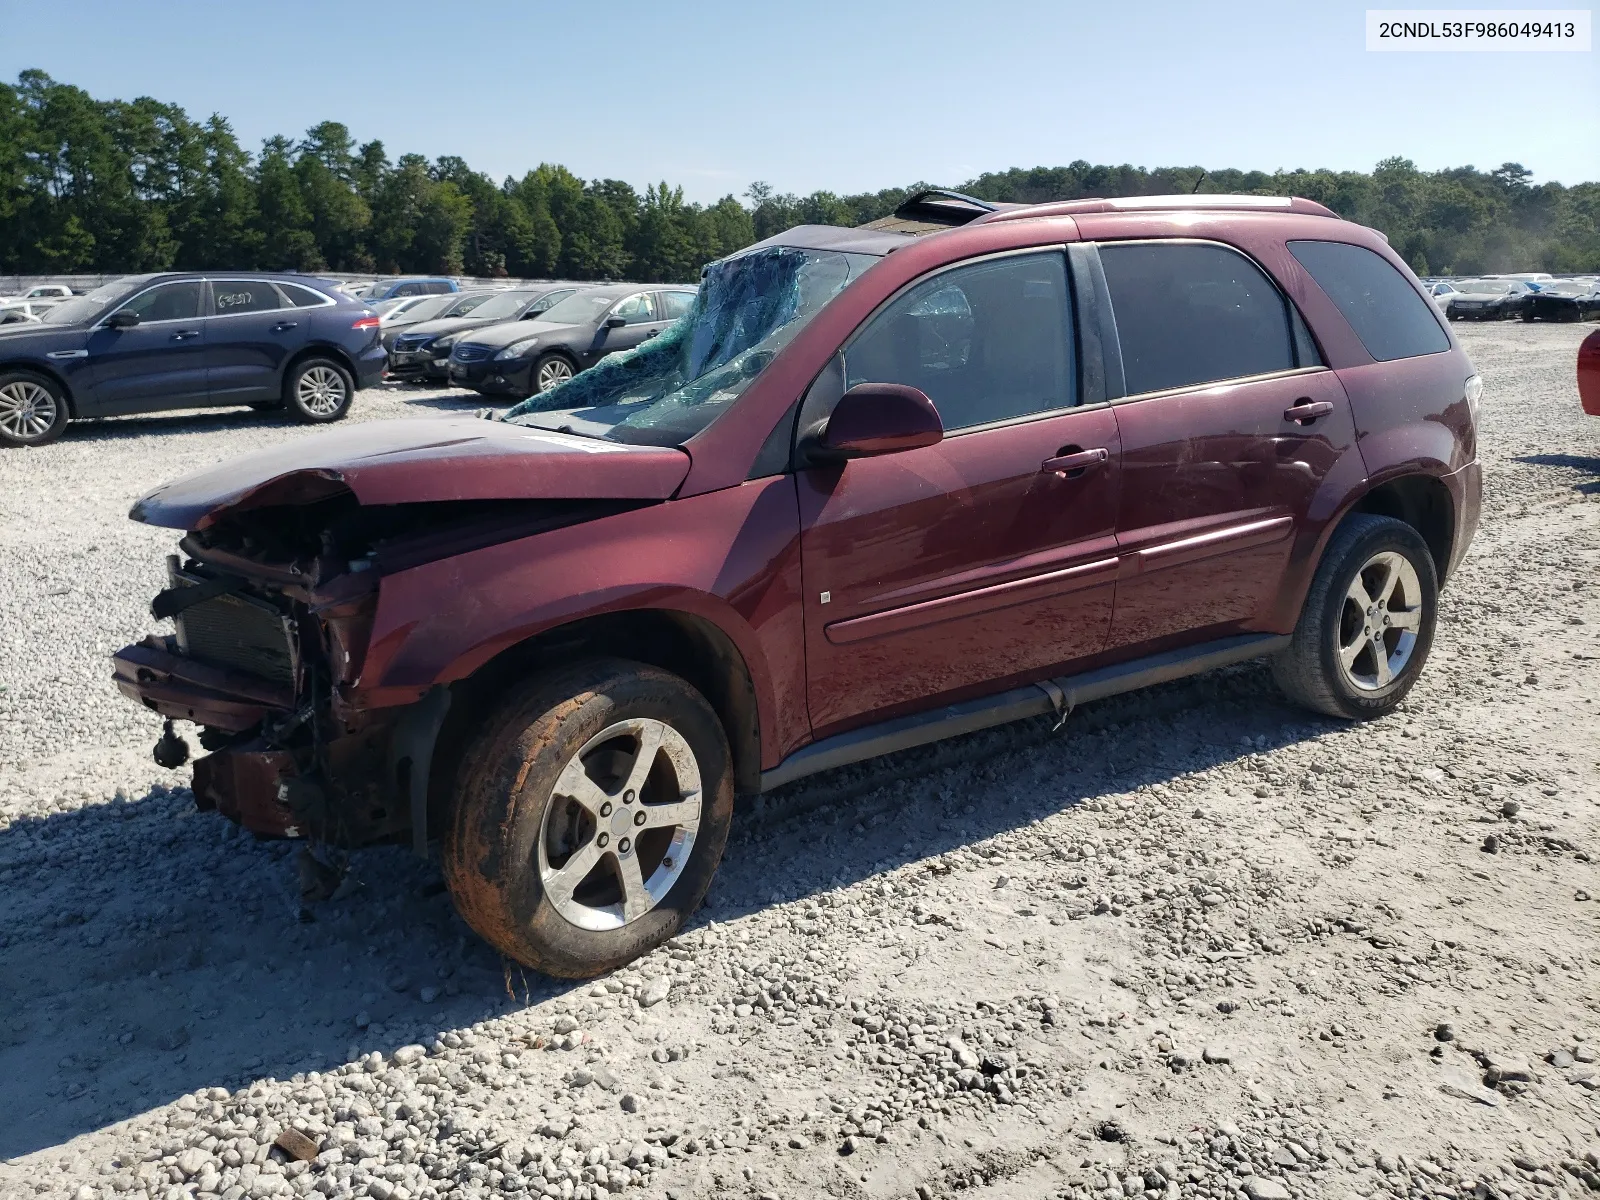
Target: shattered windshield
(748, 308)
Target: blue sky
(843, 96)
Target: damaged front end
(266, 651)
(276, 591)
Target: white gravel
(1197, 943)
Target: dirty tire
(318, 391)
(1309, 671)
(32, 409)
(496, 839)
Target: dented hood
(419, 460)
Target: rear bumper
(1466, 491)
(370, 365)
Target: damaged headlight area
(271, 613)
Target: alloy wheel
(1380, 621)
(27, 410)
(553, 372)
(620, 824)
(321, 391)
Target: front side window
(1383, 308)
(636, 310)
(169, 302)
(985, 342)
(1190, 313)
(230, 296)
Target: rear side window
(1189, 313)
(438, 288)
(1388, 316)
(987, 342)
(303, 297)
(231, 296)
(675, 304)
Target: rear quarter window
(303, 297)
(1385, 311)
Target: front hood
(517, 331)
(419, 460)
(442, 325)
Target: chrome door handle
(1072, 465)
(185, 334)
(281, 326)
(1306, 411)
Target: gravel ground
(1196, 943)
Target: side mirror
(122, 320)
(880, 418)
(615, 322)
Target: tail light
(1589, 374)
(368, 322)
(1474, 393)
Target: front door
(159, 363)
(640, 320)
(250, 334)
(1230, 426)
(964, 566)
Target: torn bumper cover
(250, 787)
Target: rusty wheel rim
(620, 824)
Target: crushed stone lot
(1194, 943)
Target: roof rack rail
(1131, 204)
(939, 206)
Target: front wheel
(1367, 624)
(318, 391)
(591, 813)
(32, 409)
(550, 371)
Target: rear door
(1230, 423)
(963, 566)
(250, 334)
(157, 364)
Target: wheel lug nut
(627, 797)
(624, 846)
(603, 840)
(638, 817)
(605, 809)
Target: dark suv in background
(424, 349)
(880, 486)
(145, 343)
(525, 359)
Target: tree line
(111, 186)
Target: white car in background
(42, 291)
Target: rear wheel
(1367, 624)
(318, 390)
(591, 813)
(32, 409)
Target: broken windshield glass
(748, 308)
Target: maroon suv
(883, 485)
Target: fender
(732, 559)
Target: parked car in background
(1439, 291)
(423, 350)
(429, 308)
(145, 343)
(1562, 300)
(527, 358)
(23, 312)
(391, 289)
(1486, 299)
(881, 486)
(42, 291)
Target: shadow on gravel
(111, 429)
(1586, 463)
(147, 950)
